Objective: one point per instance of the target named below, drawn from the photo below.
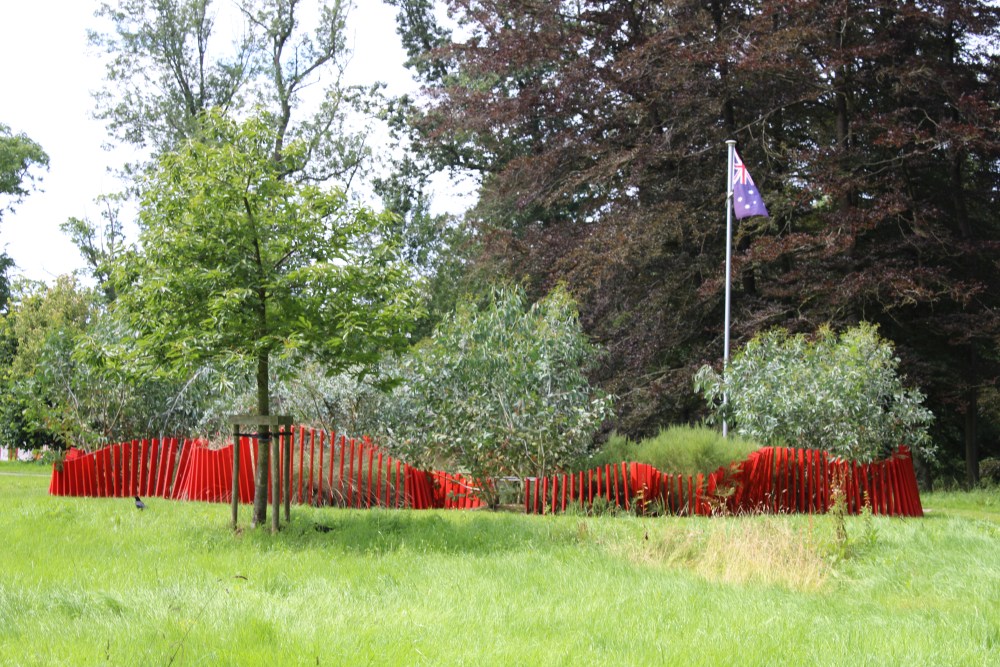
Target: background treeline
(597, 131)
(595, 134)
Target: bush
(678, 449)
(841, 394)
(989, 471)
(500, 390)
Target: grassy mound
(678, 449)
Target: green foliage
(436, 246)
(42, 328)
(18, 154)
(500, 389)
(70, 375)
(168, 62)
(989, 471)
(840, 393)
(677, 449)
(100, 246)
(238, 262)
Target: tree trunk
(971, 398)
(263, 443)
(971, 422)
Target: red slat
(378, 481)
(361, 469)
(368, 496)
(154, 450)
(350, 477)
(310, 491)
(329, 477)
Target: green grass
(678, 449)
(95, 582)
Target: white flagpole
(731, 143)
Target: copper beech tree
(598, 128)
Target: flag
(746, 198)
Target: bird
(139, 504)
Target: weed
(838, 515)
(601, 506)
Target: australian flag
(746, 198)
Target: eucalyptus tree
(500, 389)
(837, 392)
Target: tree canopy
(169, 61)
(18, 154)
(598, 132)
(237, 262)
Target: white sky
(49, 74)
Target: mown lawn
(96, 582)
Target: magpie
(139, 504)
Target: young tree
(236, 261)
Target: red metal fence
(349, 472)
(326, 470)
(770, 480)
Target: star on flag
(746, 198)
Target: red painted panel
(154, 450)
(378, 482)
(368, 495)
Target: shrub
(989, 471)
(677, 449)
(501, 390)
(838, 393)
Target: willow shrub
(840, 393)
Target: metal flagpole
(731, 143)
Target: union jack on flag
(746, 198)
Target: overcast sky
(49, 74)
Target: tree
(18, 154)
(500, 389)
(839, 393)
(236, 261)
(598, 130)
(100, 247)
(168, 63)
(67, 378)
(436, 246)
